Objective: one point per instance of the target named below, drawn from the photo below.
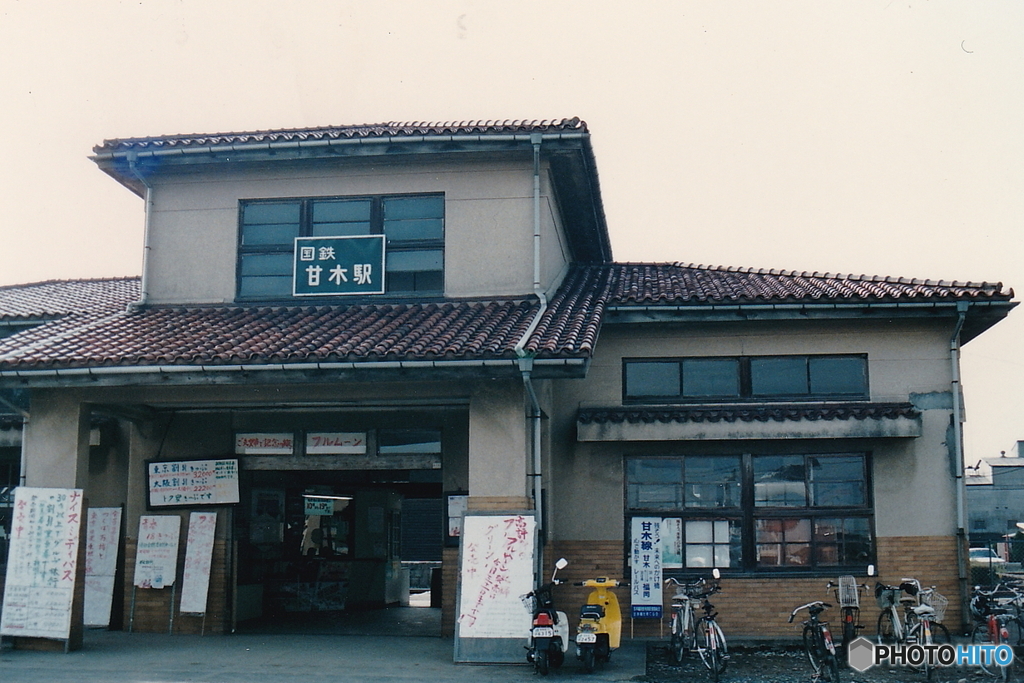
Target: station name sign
(332, 266)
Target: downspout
(144, 284)
(22, 472)
(958, 459)
(526, 362)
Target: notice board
(42, 563)
(102, 540)
(496, 570)
(195, 577)
(156, 561)
(192, 482)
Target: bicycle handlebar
(809, 605)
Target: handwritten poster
(645, 555)
(42, 563)
(497, 568)
(195, 577)
(102, 538)
(193, 482)
(156, 560)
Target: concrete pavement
(119, 657)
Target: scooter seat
(592, 612)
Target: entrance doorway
(340, 551)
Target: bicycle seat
(922, 610)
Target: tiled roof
(676, 283)
(54, 298)
(751, 413)
(373, 130)
(447, 330)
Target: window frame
(306, 227)
(747, 514)
(745, 393)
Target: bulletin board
(495, 571)
(188, 483)
(42, 563)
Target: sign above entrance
(331, 443)
(265, 444)
(193, 482)
(329, 266)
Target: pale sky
(881, 136)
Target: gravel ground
(763, 665)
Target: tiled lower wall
(750, 609)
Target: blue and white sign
(332, 266)
(645, 553)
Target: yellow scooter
(600, 627)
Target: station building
(788, 427)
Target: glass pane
(827, 530)
(797, 554)
(712, 481)
(255, 287)
(856, 540)
(826, 555)
(406, 441)
(768, 530)
(797, 529)
(340, 229)
(769, 555)
(267, 264)
(277, 212)
(845, 376)
(271, 233)
(700, 555)
(420, 229)
(660, 470)
(413, 207)
(779, 481)
(428, 259)
(723, 555)
(699, 532)
(341, 211)
(778, 376)
(653, 496)
(711, 377)
(837, 468)
(429, 281)
(837, 481)
(838, 494)
(652, 378)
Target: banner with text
(645, 553)
(102, 539)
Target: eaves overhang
(749, 422)
(981, 315)
(291, 373)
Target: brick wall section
(152, 606)
(450, 584)
(757, 609)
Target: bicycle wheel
(980, 636)
(916, 634)
(677, 644)
(830, 671)
(849, 615)
(813, 649)
(712, 648)
(886, 633)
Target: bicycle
(924, 610)
(702, 635)
(847, 592)
(999, 621)
(818, 645)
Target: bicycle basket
(937, 601)
(848, 594)
(886, 597)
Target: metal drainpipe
(958, 456)
(526, 362)
(144, 284)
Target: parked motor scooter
(549, 633)
(600, 627)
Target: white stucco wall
(488, 222)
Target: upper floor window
(413, 227)
(665, 380)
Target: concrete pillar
(498, 448)
(57, 440)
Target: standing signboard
(102, 540)
(645, 556)
(156, 561)
(195, 577)
(496, 570)
(42, 563)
